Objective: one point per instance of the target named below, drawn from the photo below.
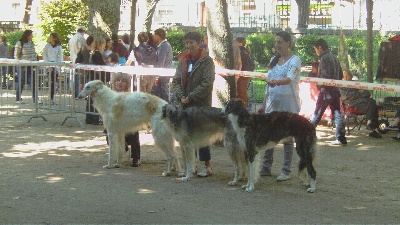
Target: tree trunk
(133, 27)
(150, 12)
(104, 17)
(304, 13)
(220, 42)
(370, 53)
(28, 10)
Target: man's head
(81, 29)
(159, 35)
(320, 46)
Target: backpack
(146, 54)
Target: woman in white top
(53, 52)
(282, 94)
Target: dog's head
(170, 112)
(233, 106)
(91, 88)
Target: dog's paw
(185, 178)
(249, 189)
(311, 190)
(244, 186)
(181, 174)
(106, 167)
(232, 183)
(166, 174)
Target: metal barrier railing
(50, 88)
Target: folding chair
(351, 114)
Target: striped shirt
(28, 51)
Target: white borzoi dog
(124, 112)
(264, 131)
(197, 127)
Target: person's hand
(261, 110)
(185, 100)
(273, 83)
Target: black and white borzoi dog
(197, 127)
(124, 112)
(193, 128)
(264, 131)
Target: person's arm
(177, 81)
(45, 53)
(17, 50)
(60, 54)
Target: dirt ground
(53, 174)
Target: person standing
(3, 54)
(146, 56)
(164, 60)
(247, 65)
(25, 50)
(120, 49)
(75, 45)
(193, 85)
(329, 68)
(282, 94)
(53, 52)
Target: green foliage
(62, 17)
(262, 47)
(305, 49)
(175, 38)
(12, 38)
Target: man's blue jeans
(324, 100)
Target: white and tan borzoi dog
(264, 131)
(124, 112)
(197, 127)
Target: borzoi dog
(266, 130)
(194, 127)
(124, 112)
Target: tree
(370, 52)
(62, 17)
(150, 12)
(220, 40)
(304, 13)
(133, 27)
(28, 9)
(104, 17)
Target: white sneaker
(205, 172)
(19, 102)
(283, 177)
(337, 142)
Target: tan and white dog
(124, 112)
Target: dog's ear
(99, 84)
(164, 111)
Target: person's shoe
(136, 163)
(391, 128)
(375, 134)
(337, 142)
(265, 173)
(283, 177)
(205, 172)
(395, 138)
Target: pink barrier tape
(218, 70)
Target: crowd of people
(192, 84)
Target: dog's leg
(112, 149)
(190, 161)
(234, 159)
(121, 149)
(250, 184)
(248, 176)
(165, 140)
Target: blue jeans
(324, 100)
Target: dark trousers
(29, 73)
(204, 154)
